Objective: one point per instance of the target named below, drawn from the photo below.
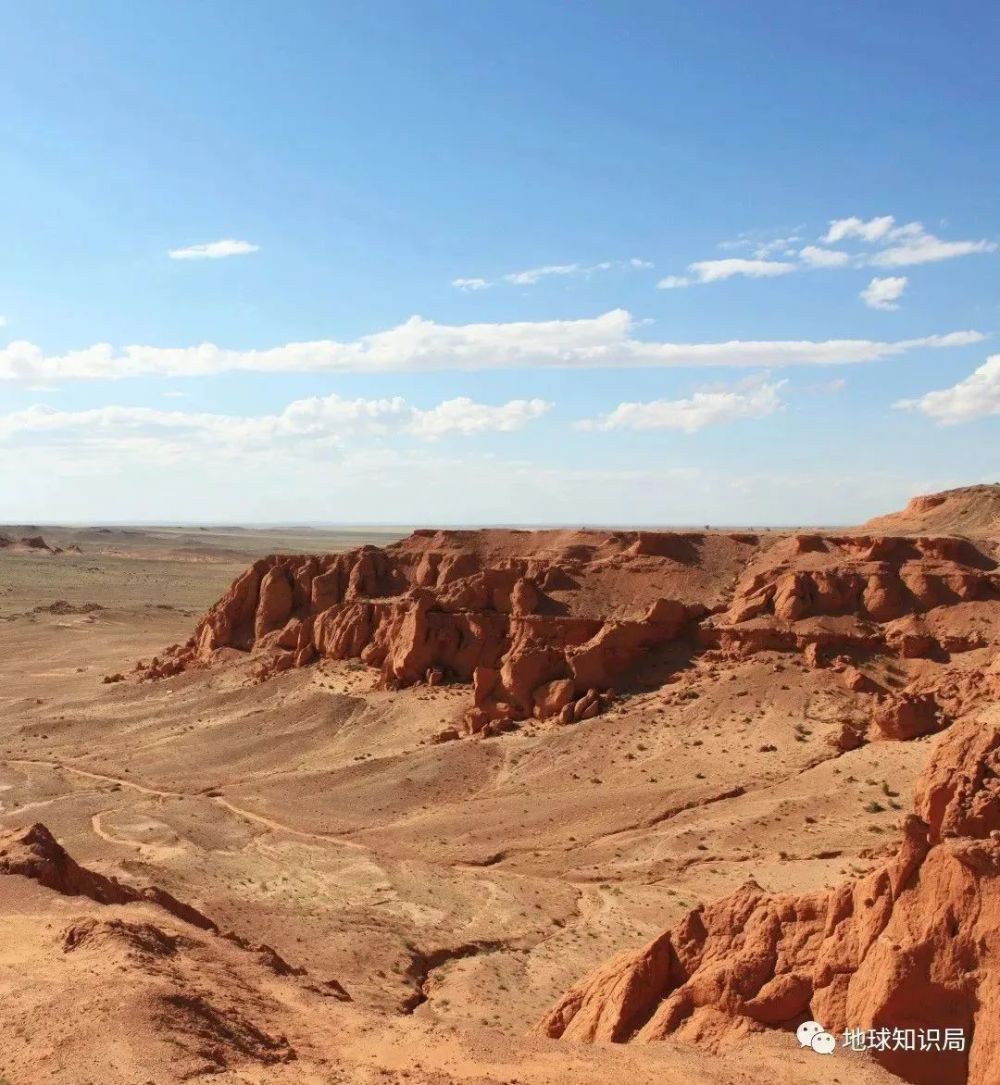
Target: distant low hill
(969, 510)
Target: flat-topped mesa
(913, 945)
(541, 623)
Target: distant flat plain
(187, 567)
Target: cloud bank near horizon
(421, 345)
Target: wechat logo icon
(812, 1034)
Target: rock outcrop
(549, 624)
(913, 945)
(968, 510)
(868, 592)
(542, 624)
(29, 544)
(35, 853)
(130, 986)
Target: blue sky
(671, 263)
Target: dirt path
(280, 827)
(102, 777)
(258, 819)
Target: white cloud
(420, 345)
(901, 246)
(3, 321)
(895, 246)
(780, 246)
(872, 230)
(533, 275)
(213, 250)
(755, 399)
(713, 271)
(885, 292)
(978, 396)
(319, 422)
(464, 417)
(763, 248)
(814, 256)
(924, 248)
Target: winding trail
(280, 827)
(102, 777)
(249, 815)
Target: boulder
(908, 715)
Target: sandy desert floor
(454, 890)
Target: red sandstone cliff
(541, 623)
(548, 624)
(915, 944)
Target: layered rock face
(913, 597)
(541, 623)
(913, 945)
(548, 624)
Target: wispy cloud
(763, 247)
(778, 246)
(826, 388)
(755, 398)
(905, 245)
(925, 248)
(214, 250)
(420, 345)
(815, 256)
(317, 422)
(533, 275)
(977, 396)
(463, 416)
(884, 293)
(713, 271)
(888, 245)
(853, 227)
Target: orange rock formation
(541, 623)
(913, 945)
(549, 624)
